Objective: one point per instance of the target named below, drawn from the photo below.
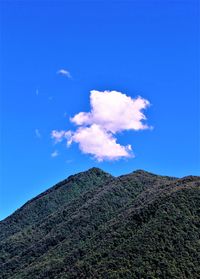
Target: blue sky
(139, 48)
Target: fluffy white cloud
(64, 72)
(98, 142)
(111, 112)
(114, 111)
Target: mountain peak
(92, 173)
(143, 172)
(96, 171)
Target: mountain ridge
(82, 226)
(88, 171)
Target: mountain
(94, 225)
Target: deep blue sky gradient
(147, 48)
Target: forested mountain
(94, 225)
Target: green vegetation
(93, 225)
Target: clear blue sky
(147, 48)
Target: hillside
(94, 225)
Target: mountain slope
(93, 225)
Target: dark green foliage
(93, 225)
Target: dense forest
(94, 225)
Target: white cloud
(54, 154)
(64, 72)
(111, 112)
(37, 133)
(114, 111)
(58, 136)
(98, 142)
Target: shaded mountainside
(94, 225)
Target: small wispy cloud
(64, 72)
(111, 112)
(69, 161)
(37, 92)
(58, 136)
(38, 134)
(54, 154)
(50, 98)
